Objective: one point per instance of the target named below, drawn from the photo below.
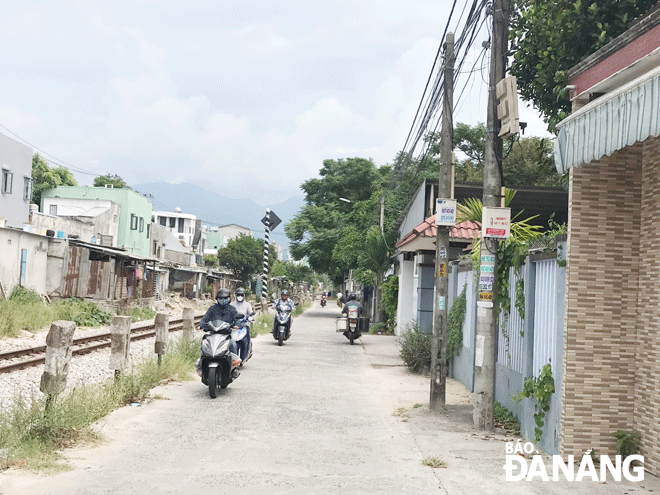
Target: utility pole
(486, 344)
(439, 342)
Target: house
(214, 241)
(182, 225)
(232, 231)
(134, 222)
(611, 148)
(416, 245)
(15, 182)
(94, 221)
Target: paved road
(311, 416)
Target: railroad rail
(34, 356)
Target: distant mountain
(214, 209)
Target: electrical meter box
(495, 222)
(445, 212)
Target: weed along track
(34, 356)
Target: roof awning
(422, 237)
(610, 123)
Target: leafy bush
(505, 419)
(627, 442)
(455, 322)
(416, 350)
(84, 313)
(141, 313)
(390, 290)
(21, 295)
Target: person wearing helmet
(244, 308)
(283, 302)
(352, 302)
(222, 311)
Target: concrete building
(134, 229)
(91, 220)
(610, 145)
(214, 241)
(232, 231)
(15, 182)
(182, 225)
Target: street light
(345, 200)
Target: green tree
(45, 177)
(550, 37)
(243, 256)
(210, 260)
(294, 272)
(110, 179)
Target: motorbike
(352, 330)
(240, 337)
(282, 324)
(323, 302)
(218, 365)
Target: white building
(232, 231)
(15, 182)
(92, 220)
(182, 225)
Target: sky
(244, 98)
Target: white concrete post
(58, 356)
(161, 324)
(188, 323)
(120, 343)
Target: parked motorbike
(218, 365)
(282, 324)
(353, 325)
(240, 337)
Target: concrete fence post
(120, 344)
(162, 324)
(58, 356)
(188, 323)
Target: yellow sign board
(485, 296)
(442, 270)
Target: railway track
(34, 356)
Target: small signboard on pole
(496, 222)
(445, 212)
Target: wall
(12, 242)
(462, 365)
(232, 231)
(405, 310)
(17, 158)
(602, 284)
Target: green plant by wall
(627, 442)
(455, 321)
(415, 350)
(541, 389)
(390, 293)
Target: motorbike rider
(352, 302)
(223, 311)
(284, 302)
(245, 308)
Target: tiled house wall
(601, 301)
(647, 365)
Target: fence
(524, 345)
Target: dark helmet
(352, 296)
(240, 292)
(223, 297)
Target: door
(23, 266)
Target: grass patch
(140, 313)
(262, 325)
(381, 329)
(31, 436)
(504, 418)
(434, 462)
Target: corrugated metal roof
(610, 123)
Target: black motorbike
(282, 330)
(218, 365)
(323, 302)
(352, 325)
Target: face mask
(239, 298)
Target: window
(172, 222)
(141, 224)
(27, 189)
(163, 221)
(180, 225)
(7, 179)
(53, 210)
(148, 231)
(134, 222)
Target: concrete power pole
(439, 342)
(486, 345)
